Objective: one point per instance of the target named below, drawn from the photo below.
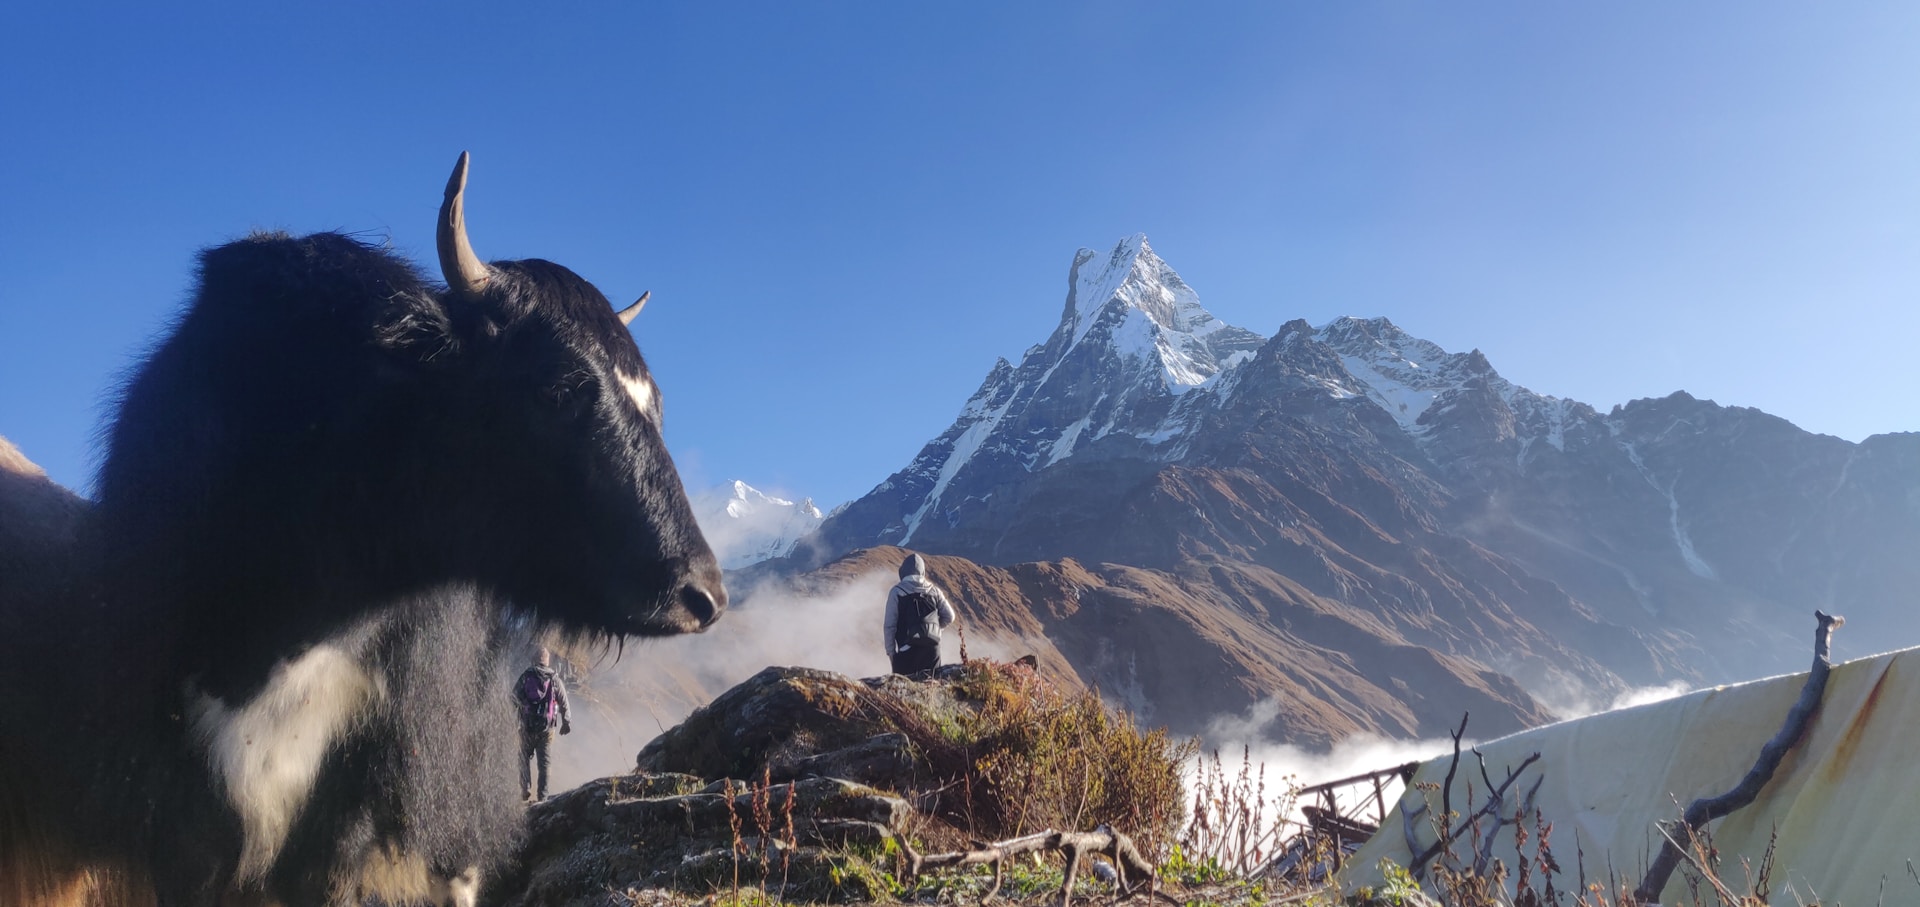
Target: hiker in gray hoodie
(916, 613)
(542, 697)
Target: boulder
(789, 723)
(781, 784)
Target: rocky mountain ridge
(1578, 551)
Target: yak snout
(704, 605)
(691, 598)
(704, 595)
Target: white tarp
(1845, 800)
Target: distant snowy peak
(1422, 385)
(1132, 340)
(745, 526)
(744, 501)
(1134, 304)
(1400, 372)
(1137, 278)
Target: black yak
(335, 503)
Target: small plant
(787, 837)
(739, 845)
(1397, 885)
(1235, 823)
(1203, 870)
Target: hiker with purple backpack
(542, 699)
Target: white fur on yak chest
(267, 753)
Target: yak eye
(571, 389)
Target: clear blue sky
(847, 210)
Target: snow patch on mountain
(964, 447)
(745, 526)
(1681, 540)
(1417, 382)
(1401, 373)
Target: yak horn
(466, 275)
(627, 314)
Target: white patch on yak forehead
(267, 753)
(639, 388)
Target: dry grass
(1033, 756)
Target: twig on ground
(1135, 874)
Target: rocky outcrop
(774, 784)
(797, 781)
(790, 723)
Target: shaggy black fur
(329, 450)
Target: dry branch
(1446, 787)
(1496, 811)
(1495, 800)
(1707, 809)
(1127, 861)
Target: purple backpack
(538, 706)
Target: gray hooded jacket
(912, 579)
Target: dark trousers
(916, 659)
(534, 744)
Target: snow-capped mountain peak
(1138, 308)
(1137, 367)
(744, 525)
(1423, 387)
(1132, 342)
(1401, 372)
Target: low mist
(1236, 738)
(619, 706)
(1569, 703)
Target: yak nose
(705, 595)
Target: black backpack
(917, 621)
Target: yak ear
(423, 331)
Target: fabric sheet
(1845, 801)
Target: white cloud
(1237, 736)
(1274, 771)
(659, 682)
(1570, 702)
